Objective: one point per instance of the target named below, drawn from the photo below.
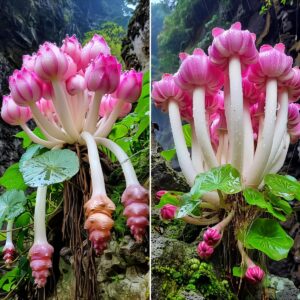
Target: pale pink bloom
(47, 90)
(254, 274)
(204, 250)
(272, 63)
(97, 45)
(232, 42)
(25, 87)
(196, 70)
(72, 68)
(165, 90)
(75, 84)
(107, 104)
(72, 47)
(212, 236)
(14, 114)
(160, 193)
(103, 74)
(45, 106)
(130, 86)
(28, 61)
(51, 62)
(40, 262)
(168, 212)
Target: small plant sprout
(75, 95)
(239, 107)
(9, 248)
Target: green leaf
(255, 197)
(187, 208)
(268, 236)
(32, 151)
(275, 213)
(170, 198)
(11, 205)
(23, 220)
(49, 168)
(238, 271)
(187, 132)
(283, 186)
(168, 154)
(13, 179)
(9, 278)
(224, 178)
(26, 140)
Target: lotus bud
(135, 199)
(75, 84)
(103, 74)
(72, 47)
(204, 250)
(40, 262)
(159, 194)
(254, 274)
(29, 61)
(168, 212)
(107, 104)
(212, 236)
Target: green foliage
(13, 179)
(49, 168)
(11, 205)
(267, 5)
(26, 140)
(171, 197)
(268, 236)
(112, 33)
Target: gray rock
(284, 288)
(189, 295)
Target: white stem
(95, 165)
(220, 146)
(36, 139)
(183, 154)
(225, 153)
(128, 170)
(63, 111)
(201, 127)
(82, 109)
(93, 113)
(197, 158)
(105, 128)
(264, 145)
(248, 139)
(280, 127)
(40, 215)
(9, 228)
(236, 127)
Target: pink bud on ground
(165, 90)
(196, 70)
(130, 86)
(25, 87)
(159, 194)
(103, 74)
(168, 212)
(204, 250)
(135, 199)
(254, 274)
(8, 253)
(97, 45)
(212, 236)
(14, 114)
(107, 104)
(75, 84)
(72, 47)
(51, 62)
(40, 262)
(232, 42)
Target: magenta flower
(251, 92)
(107, 104)
(168, 212)
(293, 125)
(204, 250)
(212, 236)
(196, 70)
(25, 87)
(103, 74)
(14, 114)
(254, 274)
(51, 62)
(47, 90)
(72, 47)
(232, 42)
(97, 45)
(160, 193)
(29, 61)
(293, 85)
(165, 90)
(8, 253)
(76, 84)
(130, 86)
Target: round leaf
(49, 168)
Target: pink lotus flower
(251, 92)
(254, 274)
(107, 104)
(204, 250)
(46, 107)
(293, 85)
(272, 63)
(47, 90)
(72, 47)
(8, 253)
(103, 74)
(159, 194)
(232, 42)
(293, 125)
(97, 45)
(40, 262)
(29, 61)
(76, 84)
(25, 87)
(130, 86)
(14, 114)
(166, 90)
(51, 62)
(72, 68)
(168, 212)
(196, 70)
(212, 236)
